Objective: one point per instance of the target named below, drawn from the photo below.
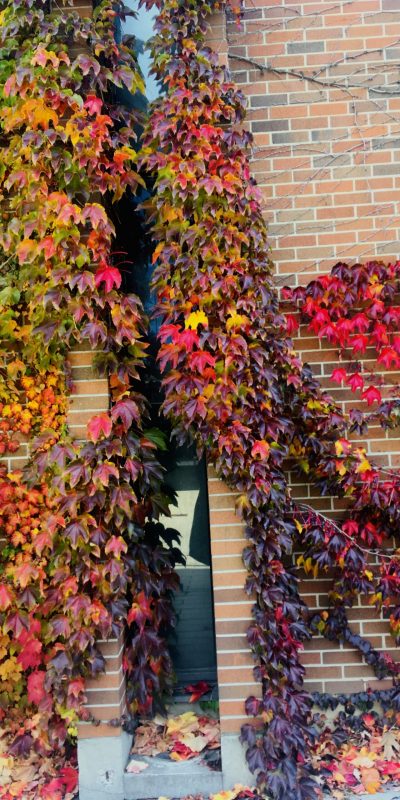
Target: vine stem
(368, 551)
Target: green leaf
(157, 436)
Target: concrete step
(165, 778)
(387, 794)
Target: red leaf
(339, 375)
(388, 357)
(140, 610)
(355, 381)
(360, 323)
(100, 425)
(350, 527)
(104, 472)
(108, 275)
(69, 777)
(53, 790)
(116, 545)
(126, 411)
(42, 540)
(188, 338)
(93, 104)
(372, 395)
(197, 690)
(76, 687)
(182, 752)
(260, 448)
(360, 343)
(30, 655)
(5, 597)
(97, 215)
(199, 360)
(292, 324)
(36, 690)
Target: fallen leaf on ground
(391, 745)
(183, 736)
(197, 690)
(371, 780)
(136, 767)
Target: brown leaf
(391, 745)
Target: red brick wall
(106, 694)
(326, 156)
(327, 160)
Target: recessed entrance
(192, 644)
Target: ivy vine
(234, 383)
(84, 552)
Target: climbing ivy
(84, 553)
(235, 386)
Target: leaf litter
(366, 763)
(178, 738)
(35, 774)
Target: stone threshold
(165, 778)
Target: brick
(91, 731)
(306, 47)
(338, 687)
(265, 126)
(265, 100)
(387, 169)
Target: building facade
(321, 80)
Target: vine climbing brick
(328, 167)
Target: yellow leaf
(375, 598)
(157, 252)
(227, 795)
(195, 319)
(298, 525)
(308, 565)
(338, 777)
(72, 132)
(170, 214)
(174, 756)
(364, 466)
(177, 724)
(208, 391)
(237, 321)
(342, 446)
(316, 405)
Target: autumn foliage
(81, 544)
(84, 555)
(234, 382)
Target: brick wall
(326, 152)
(105, 694)
(327, 160)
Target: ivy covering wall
(84, 554)
(234, 382)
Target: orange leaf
(371, 780)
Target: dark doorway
(193, 641)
